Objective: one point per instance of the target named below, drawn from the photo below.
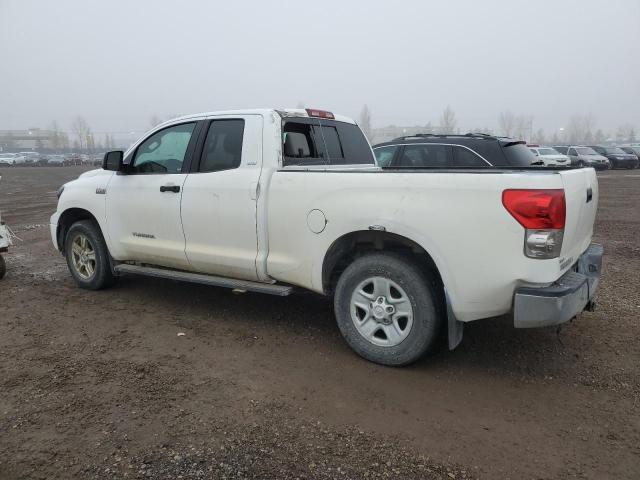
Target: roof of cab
(283, 112)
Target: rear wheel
(387, 309)
(3, 267)
(87, 256)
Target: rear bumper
(566, 298)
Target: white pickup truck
(270, 200)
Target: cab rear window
(313, 141)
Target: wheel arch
(354, 244)
(68, 218)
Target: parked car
(617, 157)
(269, 200)
(453, 151)
(30, 157)
(12, 159)
(56, 161)
(549, 156)
(632, 150)
(582, 156)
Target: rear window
(324, 142)
(518, 155)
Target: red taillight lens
(536, 209)
(312, 112)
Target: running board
(281, 290)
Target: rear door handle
(170, 188)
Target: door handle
(170, 188)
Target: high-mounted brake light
(537, 209)
(542, 213)
(312, 112)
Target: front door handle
(170, 188)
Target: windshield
(586, 151)
(614, 150)
(548, 151)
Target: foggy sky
(119, 62)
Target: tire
(417, 289)
(87, 256)
(3, 267)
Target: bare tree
(580, 128)
(523, 127)
(575, 129)
(626, 133)
(155, 120)
(555, 140)
(599, 137)
(56, 139)
(448, 121)
(506, 123)
(539, 137)
(80, 128)
(365, 122)
(9, 140)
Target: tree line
(579, 129)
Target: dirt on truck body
(159, 379)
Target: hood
(95, 173)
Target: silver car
(582, 156)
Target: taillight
(542, 213)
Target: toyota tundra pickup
(274, 200)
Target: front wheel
(87, 256)
(387, 309)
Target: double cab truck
(276, 200)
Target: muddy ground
(100, 385)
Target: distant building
(31, 139)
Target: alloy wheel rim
(381, 311)
(83, 256)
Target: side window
(425, 155)
(463, 157)
(164, 151)
(299, 145)
(223, 146)
(384, 155)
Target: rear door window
(223, 146)
(426, 156)
(463, 157)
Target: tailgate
(581, 196)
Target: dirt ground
(100, 385)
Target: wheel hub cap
(381, 311)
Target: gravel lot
(100, 385)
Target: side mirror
(113, 161)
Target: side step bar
(281, 290)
